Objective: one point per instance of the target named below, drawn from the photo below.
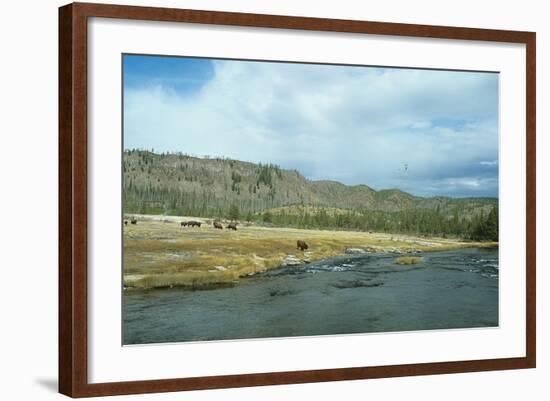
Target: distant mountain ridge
(158, 183)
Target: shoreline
(158, 253)
(230, 284)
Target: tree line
(479, 227)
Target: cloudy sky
(425, 132)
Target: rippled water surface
(346, 294)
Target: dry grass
(407, 260)
(160, 253)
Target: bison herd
(194, 223)
(300, 244)
(216, 224)
(191, 223)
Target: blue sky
(423, 131)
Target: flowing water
(345, 294)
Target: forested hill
(179, 184)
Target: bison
(232, 226)
(183, 224)
(301, 245)
(194, 223)
(133, 221)
(125, 222)
(218, 225)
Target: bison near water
(218, 225)
(232, 226)
(301, 245)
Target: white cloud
(355, 125)
(489, 163)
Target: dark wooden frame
(73, 358)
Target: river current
(342, 295)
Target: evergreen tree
(234, 212)
(267, 217)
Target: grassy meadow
(158, 252)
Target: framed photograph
(251, 200)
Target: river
(345, 294)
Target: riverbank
(340, 295)
(159, 252)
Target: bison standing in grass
(183, 224)
(218, 225)
(301, 245)
(134, 220)
(194, 224)
(232, 226)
